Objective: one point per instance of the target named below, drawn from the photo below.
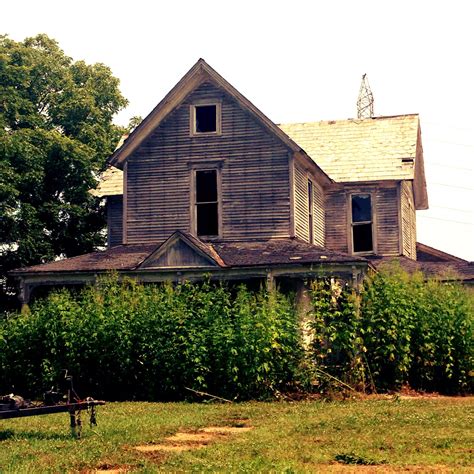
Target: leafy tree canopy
(56, 132)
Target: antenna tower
(365, 101)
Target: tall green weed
(400, 329)
(124, 340)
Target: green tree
(56, 132)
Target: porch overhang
(352, 272)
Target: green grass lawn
(422, 435)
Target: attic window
(206, 203)
(205, 119)
(361, 209)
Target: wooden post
(270, 282)
(24, 295)
(305, 315)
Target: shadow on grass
(9, 434)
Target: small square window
(205, 119)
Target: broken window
(362, 240)
(206, 119)
(310, 211)
(206, 203)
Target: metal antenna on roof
(365, 101)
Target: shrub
(337, 345)
(401, 329)
(124, 340)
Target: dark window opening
(310, 212)
(361, 208)
(362, 240)
(207, 205)
(206, 118)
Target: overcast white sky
(297, 61)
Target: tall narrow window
(206, 203)
(310, 212)
(362, 240)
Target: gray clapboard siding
(319, 215)
(388, 238)
(385, 217)
(336, 219)
(114, 220)
(408, 220)
(301, 177)
(254, 174)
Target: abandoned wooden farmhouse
(208, 185)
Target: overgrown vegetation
(400, 330)
(129, 341)
(124, 340)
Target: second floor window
(206, 203)
(362, 228)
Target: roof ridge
(351, 119)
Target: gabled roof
(360, 149)
(201, 72)
(183, 250)
(425, 253)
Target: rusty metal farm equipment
(14, 406)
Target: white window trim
(210, 166)
(192, 118)
(372, 222)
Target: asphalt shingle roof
(377, 148)
(227, 254)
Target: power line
(453, 186)
(445, 220)
(469, 145)
(452, 209)
(447, 126)
(444, 165)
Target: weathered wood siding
(178, 255)
(319, 215)
(408, 218)
(114, 220)
(301, 201)
(255, 175)
(336, 219)
(385, 217)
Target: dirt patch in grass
(173, 448)
(227, 429)
(384, 469)
(185, 441)
(183, 437)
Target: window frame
(310, 194)
(192, 118)
(372, 223)
(209, 166)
